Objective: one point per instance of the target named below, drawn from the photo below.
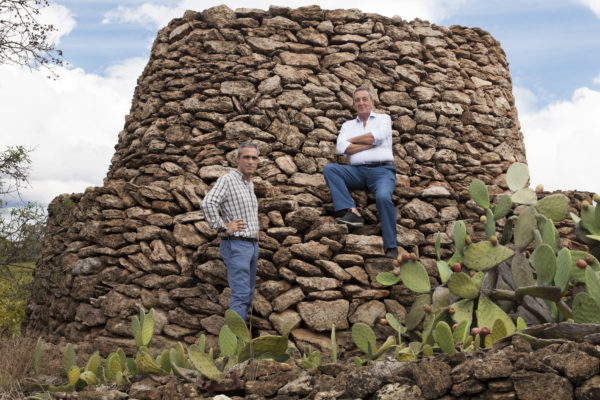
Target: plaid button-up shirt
(232, 198)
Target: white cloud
(72, 123)
(594, 5)
(60, 17)
(597, 80)
(153, 15)
(561, 140)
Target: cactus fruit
(475, 331)
(585, 204)
(412, 257)
(581, 263)
(427, 308)
(512, 160)
(494, 240)
(456, 267)
(539, 188)
(589, 260)
(468, 240)
(483, 219)
(396, 271)
(451, 311)
(485, 330)
(396, 263)
(383, 321)
(404, 258)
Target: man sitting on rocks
(367, 139)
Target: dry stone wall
(284, 79)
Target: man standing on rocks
(231, 207)
(367, 139)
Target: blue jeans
(380, 181)
(241, 259)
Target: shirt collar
(239, 175)
(372, 115)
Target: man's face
(247, 161)
(362, 103)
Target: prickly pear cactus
(442, 335)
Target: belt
(245, 239)
(375, 164)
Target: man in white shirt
(367, 139)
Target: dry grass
(15, 365)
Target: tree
(23, 40)
(21, 232)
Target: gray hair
(244, 145)
(361, 88)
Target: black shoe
(351, 219)
(392, 252)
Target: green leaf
(203, 363)
(444, 270)
(544, 263)
(73, 375)
(147, 328)
(460, 285)
(136, 329)
(227, 341)
(555, 206)
(483, 255)
(549, 234)
(524, 196)
(463, 311)
(387, 278)
(521, 272)
(237, 325)
(363, 337)
(394, 323)
(442, 335)
(490, 224)
(502, 207)
(414, 276)
(517, 176)
(588, 220)
(89, 377)
(417, 313)
(94, 363)
(524, 227)
(68, 358)
(462, 330)
(459, 232)
(479, 193)
(521, 324)
(498, 330)
(488, 312)
(592, 284)
(563, 265)
(585, 309)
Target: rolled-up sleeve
(211, 202)
(383, 129)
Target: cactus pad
(438, 240)
(488, 312)
(585, 309)
(462, 331)
(394, 323)
(479, 193)
(414, 276)
(577, 273)
(502, 207)
(444, 270)
(517, 176)
(544, 263)
(521, 272)
(461, 285)
(147, 328)
(203, 363)
(521, 324)
(387, 279)
(227, 341)
(549, 234)
(363, 337)
(483, 255)
(237, 325)
(589, 219)
(592, 284)
(523, 232)
(463, 311)
(262, 347)
(73, 375)
(442, 334)
(563, 264)
(459, 232)
(68, 358)
(524, 196)
(555, 206)
(417, 313)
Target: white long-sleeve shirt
(380, 125)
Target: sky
(72, 123)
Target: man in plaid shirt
(231, 207)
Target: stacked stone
(284, 79)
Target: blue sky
(553, 48)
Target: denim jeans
(381, 181)
(241, 259)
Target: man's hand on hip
(235, 226)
